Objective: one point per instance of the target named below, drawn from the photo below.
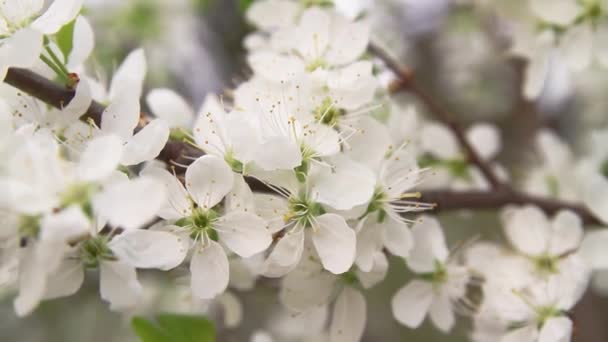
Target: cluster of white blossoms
(307, 172)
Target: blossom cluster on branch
(343, 168)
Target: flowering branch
(406, 81)
(58, 96)
(446, 200)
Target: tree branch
(447, 200)
(406, 81)
(48, 91)
(58, 96)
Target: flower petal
(130, 204)
(412, 302)
(171, 107)
(177, 204)
(83, 43)
(118, 285)
(567, 233)
(210, 271)
(244, 233)
(146, 144)
(285, 254)
(100, 158)
(349, 318)
(429, 245)
(558, 329)
(348, 40)
(441, 312)
(66, 279)
(397, 237)
(59, 13)
(129, 77)
(149, 249)
(528, 230)
(593, 248)
(208, 180)
(335, 243)
(485, 138)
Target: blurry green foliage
(174, 328)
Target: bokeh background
(459, 53)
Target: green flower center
(316, 64)
(80, 195)
(199, 223)
(320, 3)
(547, 264)
(302, 211)
(437, 277)
(543, 314)
(94, 250)
(327, 113)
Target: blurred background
(458, 49)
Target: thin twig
(406, 81)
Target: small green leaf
(65, 38)
(174, 328)
(244, 5)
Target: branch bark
(182, 153)
(406, 81)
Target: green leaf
(244, 5)
(174, 328)
(65, 38)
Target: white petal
(376, 274)
(349, 318)
(313, 33)
(121, 116)
(441, 312)
(274, 67)
(241, 197)
(346, 185)
(429, 245)
(558, 329)
(485, 138)
(210, 271)
(369, 242)
(146, 144)
(244, 233)
(272, 14)
(411, 303)
(66, 279)
(593, 248)
(278, 153)
(130, 204)
(58, 14)
(536, 75)
(353, 86)
(261, 336)
(233, 310)
(400, 173)
(208, 180)
(577, 46)
(397, 237)
(558, 12)
(528, 333)
(21, 50)
(595, 195)
(83, 43)
(322, 139)
(285, 254)
(79, 104)
(118, 285)
(348, 40)
(149, 249)
(439, 141)
(528, 230)
(100, 158)
(302, 291)
(566, 234)
(64, 225)
(171, 107)
(210, 129)
(369, 143)
(335, 243)
(272, 208)
(177, 204)
(32, 281)
(130, 75)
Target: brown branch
(58, 96)
(447, 200)
(406, 81)
(48, 91)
